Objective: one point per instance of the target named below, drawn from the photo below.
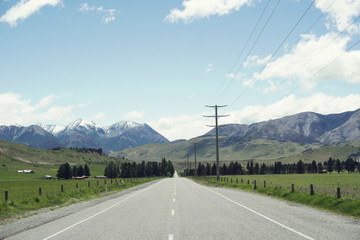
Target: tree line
(235, 168)
(143, 169)
(65, 171)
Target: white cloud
(181, 126)
(98, 116)
(309, 57)
(341, 13)
(108, 14)
(135, 115)
(24, 9)
(196, 9)
(319, 103)
(14, 109)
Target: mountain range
(83, 133)
(307, 127)
(302, 128)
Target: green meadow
(280, 186)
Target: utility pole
(217, 136)
(195, 158)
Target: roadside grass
(23, 196)
(279, 186)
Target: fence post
(88, 183)
(242, 180)
(105, 181)
(292, 187)
(6, 196)
(254, 185)
(338, 194)
(237, 181)
(248, 181)
(77, 185)
(97, 182)
(230, 180)
(111, 181)
(264, 184)
(62, 188)
(40, 191)
(311, 189)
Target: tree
(350, 164)
(80, 171)
(257, 168)
(338, 166)
(300, 167)
(86, 170)
(75, 171)
(64, 171)
(330, 165)
(110, 170)
(314, 167)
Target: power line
(327, 65)
(217, 136)
(272, 56)
(247, 42)
(258, 37)
(310, 59)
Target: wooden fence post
(111, 181)
(248, 181)
(40, 191)
(77, 185)
(230, 180)
(62, 188)
(237, 181)
(264, 184)
(6, 196)
(292, 188)
(88, 183)
(105, 182)
(254, 185)
(338, 194)
(311, 189)
(242, 180)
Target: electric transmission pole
(195, 158)
(217, 136)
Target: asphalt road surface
(178, 208)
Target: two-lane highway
(178, 208)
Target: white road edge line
(259, 214)
(106, 209)
(171, 237)
(174, 200)
(172, 212)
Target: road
(179, 208)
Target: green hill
(236, 150)
(14, 157)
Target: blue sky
(160, 62)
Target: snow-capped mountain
(83, 133)
(34, 136)
(53, 129)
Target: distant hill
(83, 133)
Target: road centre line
(172, 212)
(171, 237)
(106, 209)
(174, 200)
(257, 213)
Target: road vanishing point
(178, 208)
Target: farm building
(26, 171)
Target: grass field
(325, 186)
(23, 196)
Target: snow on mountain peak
(82, 123)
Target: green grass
(23, 196)
(324, 186)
